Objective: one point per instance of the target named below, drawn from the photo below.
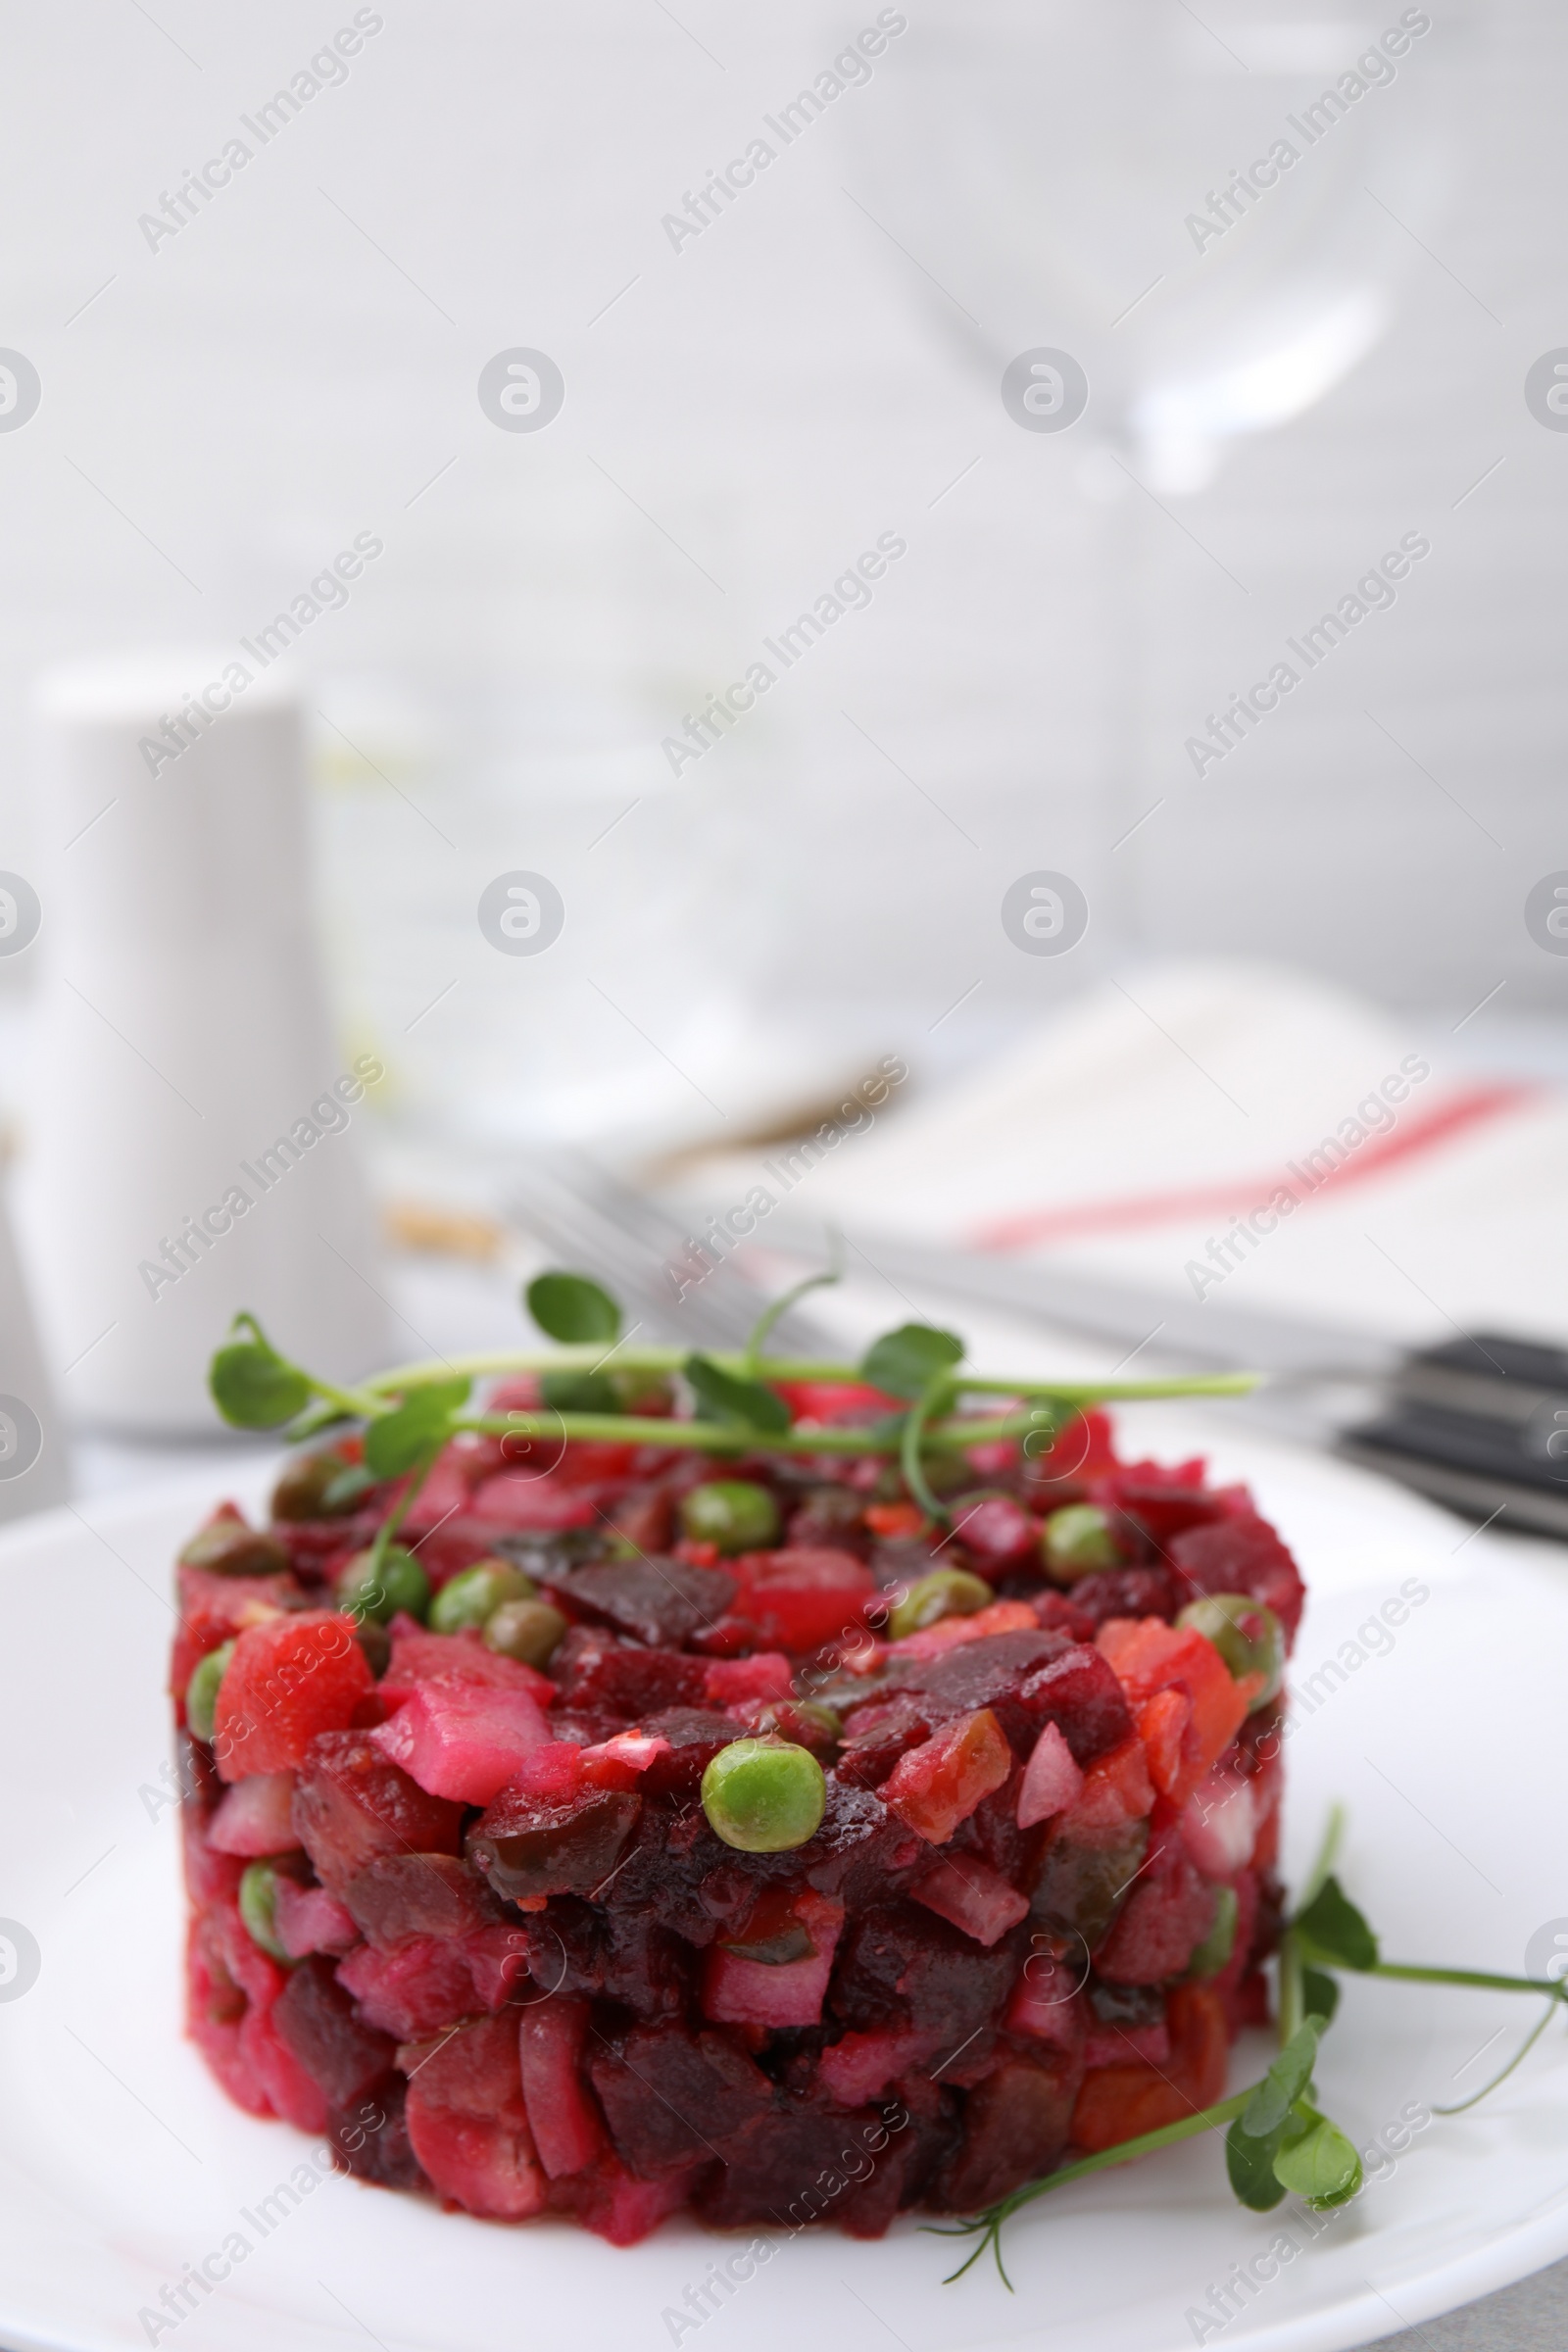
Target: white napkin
(1131, 1132)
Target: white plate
(121, 2162)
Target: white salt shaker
(34, 1471)
(193, 1146)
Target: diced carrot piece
(1161, 1721)
(1147, 1656)
(1122, 2102)
(940, 1782)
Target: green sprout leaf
(1289, 2076)
(350, 1483)
(1250, 2162)
(746, 1402)
(905, 1362)
(414, 1429)
(1331, 1929)
(573, 1308)
(1321, 2165)
(252, 1385)
(1321, 1993)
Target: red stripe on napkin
(1468, 1108)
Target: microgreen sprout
(1278, 2139)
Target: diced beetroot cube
(316, 2021)
(1051, 1781)
(939, 1785)
(422, 1657)
(552, 1773)
(879, 1735)
(1083, 1448)
(742, 1990)
(417, 1988)
(370, 2139)
(620, 1761)
(566, 2130)
(1147, 1658)
(541, 1505)
(1016, 2124)
(1153, 1591)
(1080, 1693)
(974, 1897)
(462, 1739)
(352, 1805)
(997, 1532)
(1109, 2045)
(1242, 1553)
(616, 2205)
(860, 2066)
(210, 1877)
(824, 1403)
(956, 1633)
(1161, 1924)
(669, 2095)
(218, 1954)
(443, 1493)
(256, 1816)
(310, 1920)
(469, 2127)
(663, 1602)
(498, 1959)
(289, 1681)
(801, 1596)
(528, 1846)
(213, 1608)
(595, 1671)
(1122, 2102)
(1057, 1614)
(902, 1967)
(692, 1738)
(399, 1895)
(764, 1675)
(291, 2093)
(1047, 2003)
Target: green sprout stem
(1479, 1979)
(592, 1356)
(399, 1511)
(989, 2225)
(1518, 2059)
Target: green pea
(763, 1797)
(476, 1593)
(258, 1896)
(200, 1691)
(945, 1473)
(1248, 1634)
(802, 1720)
(317, 1486)
(945, 1593)
(1075, 1540)
(731, 1512)
(368, 1588)
(229, 1547)
(531, 1630)
(1220, 1941)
